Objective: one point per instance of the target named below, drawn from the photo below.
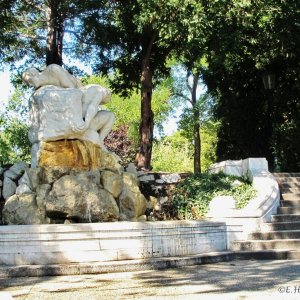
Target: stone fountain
(72, 178)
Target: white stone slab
(170, 178)
(45, 244)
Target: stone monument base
(75, 182)
(78, 154)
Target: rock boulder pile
(65, 195)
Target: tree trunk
(143, 157)
(196, 119)
(55, 28)
(197, 147)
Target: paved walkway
(225, 280)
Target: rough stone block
(74, 198)
(132, 202)
(21, 209)
(9, 188)
(112, 182)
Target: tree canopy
(135, 41)
(227, 44)
(250, 38)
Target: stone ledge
(141, 265)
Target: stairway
(279, 239)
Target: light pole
(269, 85)
(269, 80)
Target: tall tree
(192, 58)
(248, 38)
(192, 113)
(56, 14)
(34, 29)
(135, 41)
(197, 113)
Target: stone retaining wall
(96, 242)
(157, 187)
(241, 222)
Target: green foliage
(196, 112)
(5, 150)
(123, 35)
(128, 110)
(287, 140)
(192, 196)
(25, 38)
(248, 38)
(203, 106)
(175, 153)
(14, 142)
(172, 154)
(209, 140)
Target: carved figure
(62, 109)
(52, 75)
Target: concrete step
(290, 203)
(279, 226)
(292, 174)
(290, 196)
(290, 190)
(284, 244)
(142, 264)
(288, 185)
(288, 210)
(284, 234)
(267, 254)
(286, 218)
(289, 180)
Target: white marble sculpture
(61, 108)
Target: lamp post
(268, 79)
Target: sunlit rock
(21, 209)
(112, 182)
(132, 201)
(9, 188)
(81, 200)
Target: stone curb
(137, 265)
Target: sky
(5, 88)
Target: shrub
(119, 142)
(172, 154)
(191, 197)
